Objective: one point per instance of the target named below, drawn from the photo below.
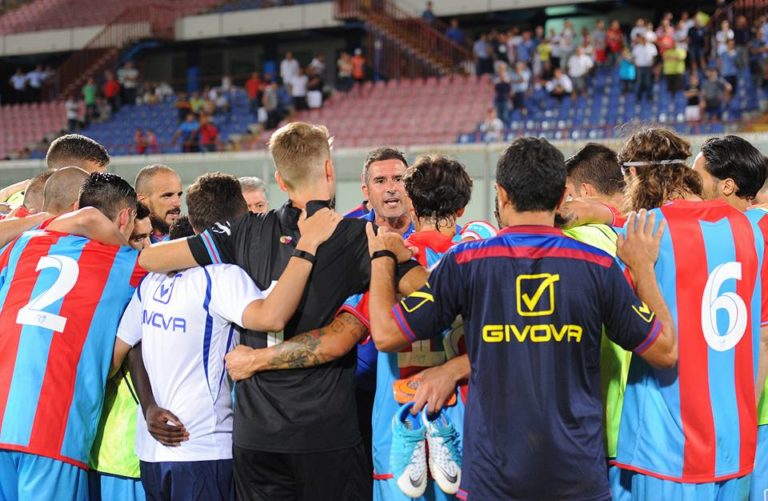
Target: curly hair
(658, 183)
(438, 187)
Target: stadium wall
(480, 160)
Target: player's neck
(538, 218)
(394, 224)
(445, 227)
(301, 199)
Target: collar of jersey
(537, 229)
(289, 215)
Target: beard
(159, 224)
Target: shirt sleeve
(233, 291)
(357, 306)
(130, 325)
(432, 308)
(217, 245)
(628, 321)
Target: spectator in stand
(724, 34)
(149, 95)
(697, 40)
(640, 29)
(693, 98)
(454, 33)
(665, 38)
(428, 14)
(674, 68)
(111, 91)
(729, 65)
(526, 49)
(151, 140)
(289, 68)
(139, 141)
(681, 35)
(89, 98)
(599, 42)
(271, 104)
(586, 44)
(713, 94)
(255, 194)
(567, 43)
(742, 35)
(183, 107)
(72, 107)
(35, 79)
(318, 65)
(315, 86)
(502, 91)
(222, 107)
(579, 66)
(128, 77)
(758, 52)
(19, 85)
(253, 90)
(650, 34)
(542, 59)
(643, 55)
(188, 131)
(560, 85)
(521, 80)
(197, 102)
(344, 67)
(163, 91)
(492, 128)
(484, 63)
(614, 42)
(627, 72)
(554, 40)
(209, 135)
(511, 40)
(358, 66)
(299, 91)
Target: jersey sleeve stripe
(530, 252)
(213, 252)
(353, 311)
(402, 323)
(208, 326)
(653, 334)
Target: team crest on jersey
(536, 294)
(164, 291)
(417, 299)
(644, 312)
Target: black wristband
(304, 255)
(384, 253)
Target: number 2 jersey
(696, 423)
(61, 298)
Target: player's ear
(281, 182)
(729, 187)
(142, 198)
(563, 200)
(460, 213)
(587, 189)
(503, 196)
(330, 172)
(124, 218)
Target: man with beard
(159, 188)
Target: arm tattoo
(312, 348)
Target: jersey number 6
(730, 302)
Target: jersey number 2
(32, 313)
(730, 302)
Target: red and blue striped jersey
(61, 298)
(696, 422)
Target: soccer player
(383, 188)
(159, 188)
(193, 315)
(734, 171)
(62, 190)
(697, 439)
(34, 196)
(295, 432)
(79, 151)
(114, 465)
(594, 173)
(255, 194)
(62, 296)
(533, 303)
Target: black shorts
(341, 475)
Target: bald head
(143, 183)
(34, 196)
(63, 189)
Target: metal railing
(406, 33)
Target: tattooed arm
(309, 349)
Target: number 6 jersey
(696, 423)
(61, 298)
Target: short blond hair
(299, 151)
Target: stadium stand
(27, 123)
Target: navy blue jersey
(533, 303)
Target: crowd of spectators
(32, 86)
(692, 55)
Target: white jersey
(185, 325)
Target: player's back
(697, 422)
(61, 297)
(535, 302)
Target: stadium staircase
(402, 44)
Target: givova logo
(536, 294)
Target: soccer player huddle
(609, 341)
